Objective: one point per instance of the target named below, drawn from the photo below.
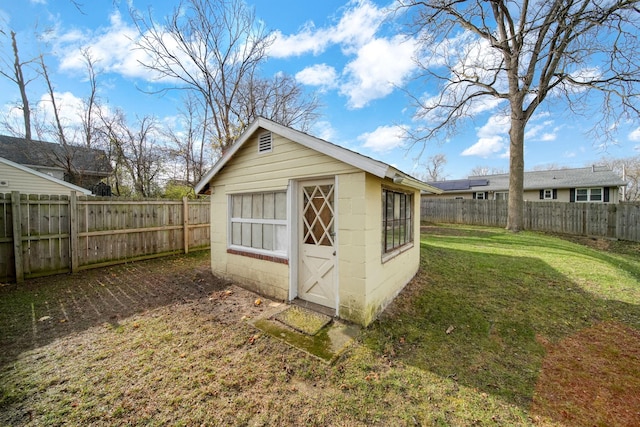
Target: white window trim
(480, 193)
(544, 194)
(589, 189)
(231, 219)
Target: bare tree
(435, 168)
(520, 53)
(189, 146)
(629, 169)
(135, 152)
(16, 75)
(90, 102)
(211, 47)
(486, 170)
(281, 99)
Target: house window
(258, 222)
(397, 220)
(502, 195)
(547, 194)
(480, 195)
(588, 194)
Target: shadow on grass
(39, 311)
(484, 319)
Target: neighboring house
(81, 166)
(590, 184)
(298, 217)
(15, 177)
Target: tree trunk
(515, 215)
(22, 85)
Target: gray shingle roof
(595, 176)
(88, 161)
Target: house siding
(27, 183)
(563, 195)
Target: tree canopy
(515, 55)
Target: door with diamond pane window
(316, 282)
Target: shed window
(258, 222)
(265, 142)
(397, 220)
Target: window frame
(401, 225)
(501, 195)
(548, 196)
(480, 195)
(588, 193)
(248, 218)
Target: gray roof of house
(593, 176)
(89, 161)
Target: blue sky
(350, 52)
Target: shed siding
(249, 171)
(27, 183)
(352, 246)
(366, 284)
(386, 280)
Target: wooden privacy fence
(620, 221)
(42, 235)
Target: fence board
(621, 221)
(108, 231)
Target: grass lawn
(496, 329)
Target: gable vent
(4, 183)
(265, 143)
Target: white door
(316, 282)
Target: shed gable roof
(367, 164)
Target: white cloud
(492, 138)
(323, 130)
(383, 139)
(546, 137)
(318, 75)
(112, 48)
(635, 135)
(380, 65)
(485, 147)
(359, 22)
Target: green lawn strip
(504, 298)
(500, 295)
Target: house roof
(593, 176)
(71, 187)
(367, 164)
(34, 153)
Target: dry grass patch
(591, 378)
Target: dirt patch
(591, 378)
(40, 311)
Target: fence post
(73, 232)
(185, 223)
(17, 235)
